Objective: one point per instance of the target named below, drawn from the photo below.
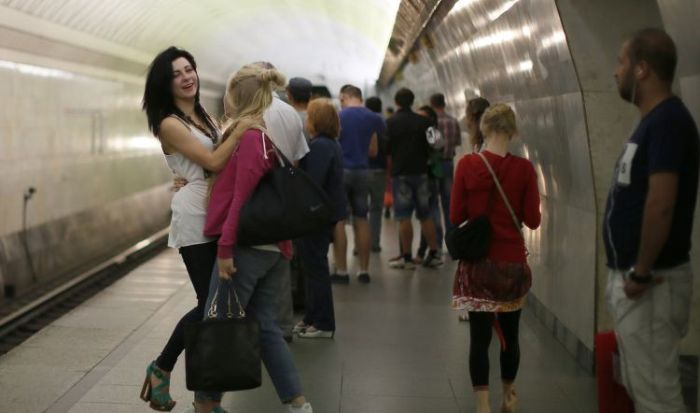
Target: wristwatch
(639, 279)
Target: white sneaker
(306, 408)
(299, 327)
(313, 332)
(403, 264)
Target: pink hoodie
(234, 185)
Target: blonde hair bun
(499, 118)
(272, 76)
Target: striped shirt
(451, 132)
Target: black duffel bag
(286, 204)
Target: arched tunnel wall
(71, 127)
(553, 62)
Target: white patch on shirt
(624, 167)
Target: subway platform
(398, 348)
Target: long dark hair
(475, 109)
(158, 101)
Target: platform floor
(398, 348)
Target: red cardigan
(470, 196)
(233, 186)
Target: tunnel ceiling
(329, 42)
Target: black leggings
(481, 326)
(199, 260)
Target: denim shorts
(356, 182)
(411, 192)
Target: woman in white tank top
(188, 136)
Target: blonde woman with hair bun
(493, 289)
(256, 273)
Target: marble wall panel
(516, 52)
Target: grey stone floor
(398, 348)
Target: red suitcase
(612, 396)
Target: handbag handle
(505, 199)
(213, 308)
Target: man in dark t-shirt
(648, 224)
(409, 150)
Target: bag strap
(213, 308)
(503, 195)
(280, 156)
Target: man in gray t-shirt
(298, 95)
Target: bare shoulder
(171, 125)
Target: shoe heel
(156, 399)
(146, 389)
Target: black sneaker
(432, 260)
(363, 277)
(340, 278)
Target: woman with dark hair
(475, 109)
(434, 174)
(324, 164)
(188, 135)
(494, 289)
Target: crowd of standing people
(354, 153)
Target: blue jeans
(257, 283)
(313, 250)
(377, 185)
(445, 184)
(433, 184)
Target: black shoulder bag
(286, 204)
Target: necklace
(206, 131)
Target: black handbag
(286, 204)
(223, 354)
(470, 241)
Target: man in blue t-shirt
(360, 129)
(648, 224)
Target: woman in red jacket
(494, 288)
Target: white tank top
(189, 204)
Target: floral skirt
(491, 286)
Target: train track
(22, 318)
